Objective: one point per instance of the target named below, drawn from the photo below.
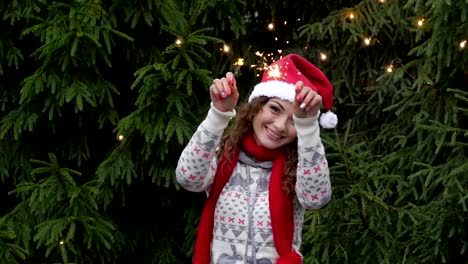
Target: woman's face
(273, 125)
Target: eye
(275, 108)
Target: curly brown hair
(243, 124)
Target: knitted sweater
(242, 230)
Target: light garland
(367, 41)
(462, 44)
(323, 56)
(120, 137)
(389, 68)
(271, 27)
(178, 42)
(350, 15)
(420, 22)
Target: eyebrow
(278, 103)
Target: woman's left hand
(307, 102)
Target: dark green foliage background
(76, 74)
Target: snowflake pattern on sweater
(242, 230)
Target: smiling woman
(273, 126)
(263, 173)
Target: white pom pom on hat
(280, 81)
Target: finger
(225, 88)
(232, 84)
(299, 86)
(222, 88)
(311, 98)
(217, 89)
(301, 93)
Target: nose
(281, 123)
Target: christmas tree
(98, 98)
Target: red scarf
(281, 205)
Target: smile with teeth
(272, 134)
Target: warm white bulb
(323, 56)
(367, 41)
(120, 137)
(61, 242)
(271, 26)
(381, 1)
(226, 48)
(421, 22)
(463, 44)
(389, 68)
(178, 42)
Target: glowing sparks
(239, 62)
(274, 72)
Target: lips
(272, 134)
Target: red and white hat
(280, 81)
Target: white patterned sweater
(242, 230)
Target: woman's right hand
(224, 94)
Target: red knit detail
(281, 206)
(291, 258)
(205, 227)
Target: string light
(226, 48)
(350, 15)
(323, 56)
(271, 26)
(62, 242)
(421, 22)
(285, 23)
(462, 44)
(367, 41)
(178, 42)
(120, 137)
(389, 68)
(381, 1)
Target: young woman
(265, 171)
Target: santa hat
(280, 79)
